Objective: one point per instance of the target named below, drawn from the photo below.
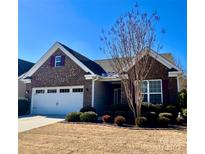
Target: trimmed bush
(141, 121)
(73, 117)
(184, 113)
(170, 116)
(88, 109)
(163, 121)
(88, 117)
(119, 120)
(149, 107)
(151, 118)
(171, 109)
(106, 118)
(167, 115)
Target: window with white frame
(152, 91)
(58, 60)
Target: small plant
(141, 121)
(163, 121)
(106, 118)
(119, 120)
(73, 117)
(87, 109)
(88, 117)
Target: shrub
(167, 115)
(184, 113)
(106, 118)
(151, 118)
(119, 120)
(182, 99)
(73, 116)
(141, 121)
(171, 109)
(163, 121)
(88, 117)
(88, 109)
(149, 107)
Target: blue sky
(78, 24)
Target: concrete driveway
(34, 121)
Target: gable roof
(94, 67)
(106, 64)
(86, 64)
(24, 66)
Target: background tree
(128, 43)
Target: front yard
(98, 138)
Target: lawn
(92, 138)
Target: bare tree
(128, 43)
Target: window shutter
(52, 61)
(62, 60)
(165, 89)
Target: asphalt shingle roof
(94, 67)
(24, 66)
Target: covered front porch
(107, 93)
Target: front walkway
(34, 121)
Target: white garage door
(56, 100)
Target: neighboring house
(23, 67)
(64, 80)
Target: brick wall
(69, 75)
(169, 84)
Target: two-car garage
(56, 100)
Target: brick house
(63, 81)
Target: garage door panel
(56, 103)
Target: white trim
(57, 61)
(148, 90)
(173, 74)
(93, 87)
(178, 85)
(90, 76)
(51, 50)
(163, 60)
(116, 90)
(46, 88)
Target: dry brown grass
(90, 138)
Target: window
(152, 91)
(77, 90)
(51, 91)
(64, 90)
(58, 60)
(117, 95)
(40, 91)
